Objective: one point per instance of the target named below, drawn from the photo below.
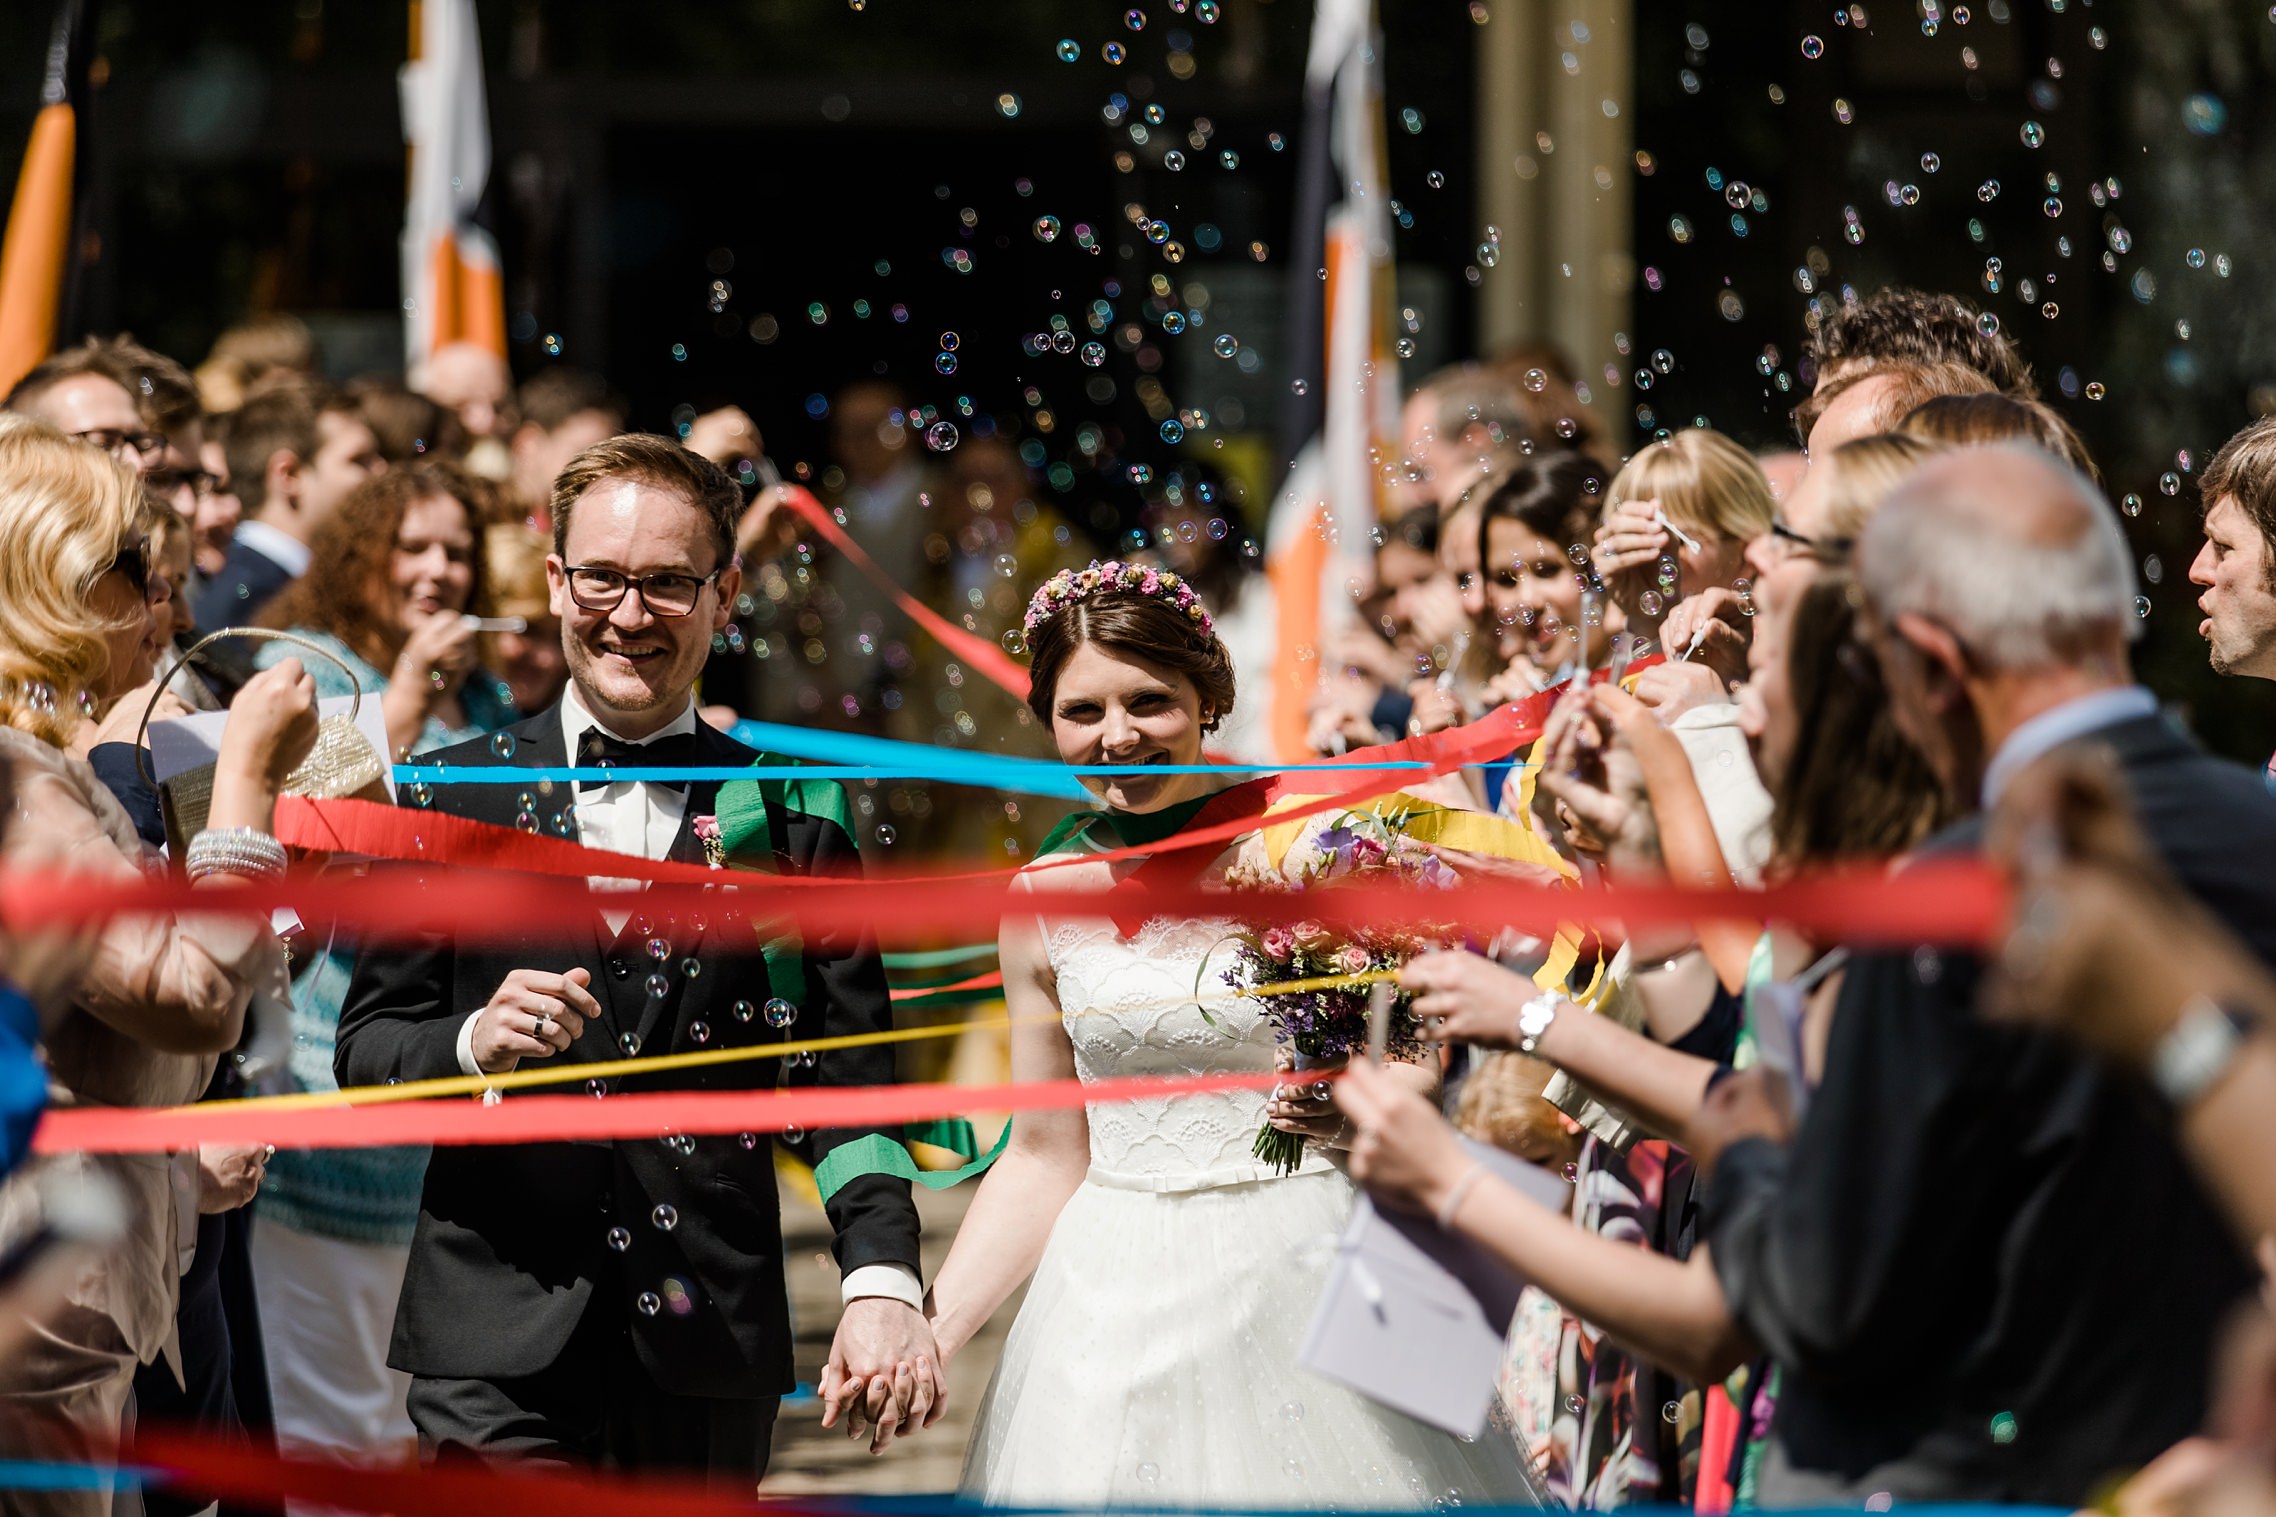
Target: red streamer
(240, 1472)
(1956, 902)
(567, 1118)
(974, 649)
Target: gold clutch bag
(342, 764)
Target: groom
(624, 1302)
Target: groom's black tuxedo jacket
(514, 1242)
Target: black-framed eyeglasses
(665, 594)
(118, 444)
(203, 483)
(133, 561)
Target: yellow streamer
(1470, 831)
(562, 1074)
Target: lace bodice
(1132, 1007)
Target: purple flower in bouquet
(1314, 982)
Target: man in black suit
(625, 1301)
(1985, 1270)
(296, 448)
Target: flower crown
(1071, 585)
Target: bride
(1154, 1360)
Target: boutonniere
(714, 847)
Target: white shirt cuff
(895, 1282)
(466, 1062)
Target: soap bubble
(1813, 47)
(941, 437)
(781, 1013)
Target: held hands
(884, 1374)
(1402, 1150)
(532, 1015)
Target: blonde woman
(1677, 521)
(135, 1013)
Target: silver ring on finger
(544, 1023)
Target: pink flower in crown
(1279, 944)
(1353, 959)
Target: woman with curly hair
(392, 575)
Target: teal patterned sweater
(358, 1195)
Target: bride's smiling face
(1112, 708)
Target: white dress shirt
(276, 545)
(643, 820)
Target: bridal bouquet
(1325, 1021)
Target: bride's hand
(1294, 1108)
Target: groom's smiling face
(1111, 708)
(633, 667)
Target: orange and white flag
(1318, 542)
(452, 288)
(35, 258)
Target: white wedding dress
(1153, 1363)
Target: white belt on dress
(1204, 1179)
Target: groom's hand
(883, 1374)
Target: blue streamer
(44, 1475)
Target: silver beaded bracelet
(246, 852)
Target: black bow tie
(676, 750)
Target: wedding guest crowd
(1843, 1223)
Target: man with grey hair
(1981, 1264)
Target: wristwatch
(2197, 1050)
(1534, 1017)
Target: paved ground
(808, 1459)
